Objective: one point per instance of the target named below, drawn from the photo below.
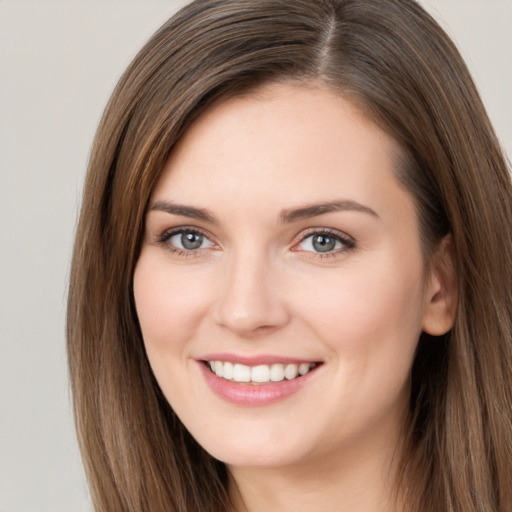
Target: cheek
(377, 312)
(169, 303)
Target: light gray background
(59, 61)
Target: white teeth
(218, 368)
(227, 371)
(290, 372)
(304, 368)
(260, 374)
(276, 372)
(241, 373)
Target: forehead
(281, 143)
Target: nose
(251, 302)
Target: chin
(256, 450)
(255, 458)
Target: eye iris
(191, 240)
(323, 243)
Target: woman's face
(279, 243)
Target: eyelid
(165, 235)
(348, 242)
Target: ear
(441, 294)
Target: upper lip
(255, 360)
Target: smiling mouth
(259, 374)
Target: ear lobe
(441, 291)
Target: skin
(258, 285)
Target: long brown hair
(393, 61)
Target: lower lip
(251, 395)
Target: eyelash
(346, 241)
(164, 238)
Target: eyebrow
(312, 210)
(185, 211)
(286, 216)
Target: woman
(291, 285)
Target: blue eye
(325, 242)
(185, 240)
